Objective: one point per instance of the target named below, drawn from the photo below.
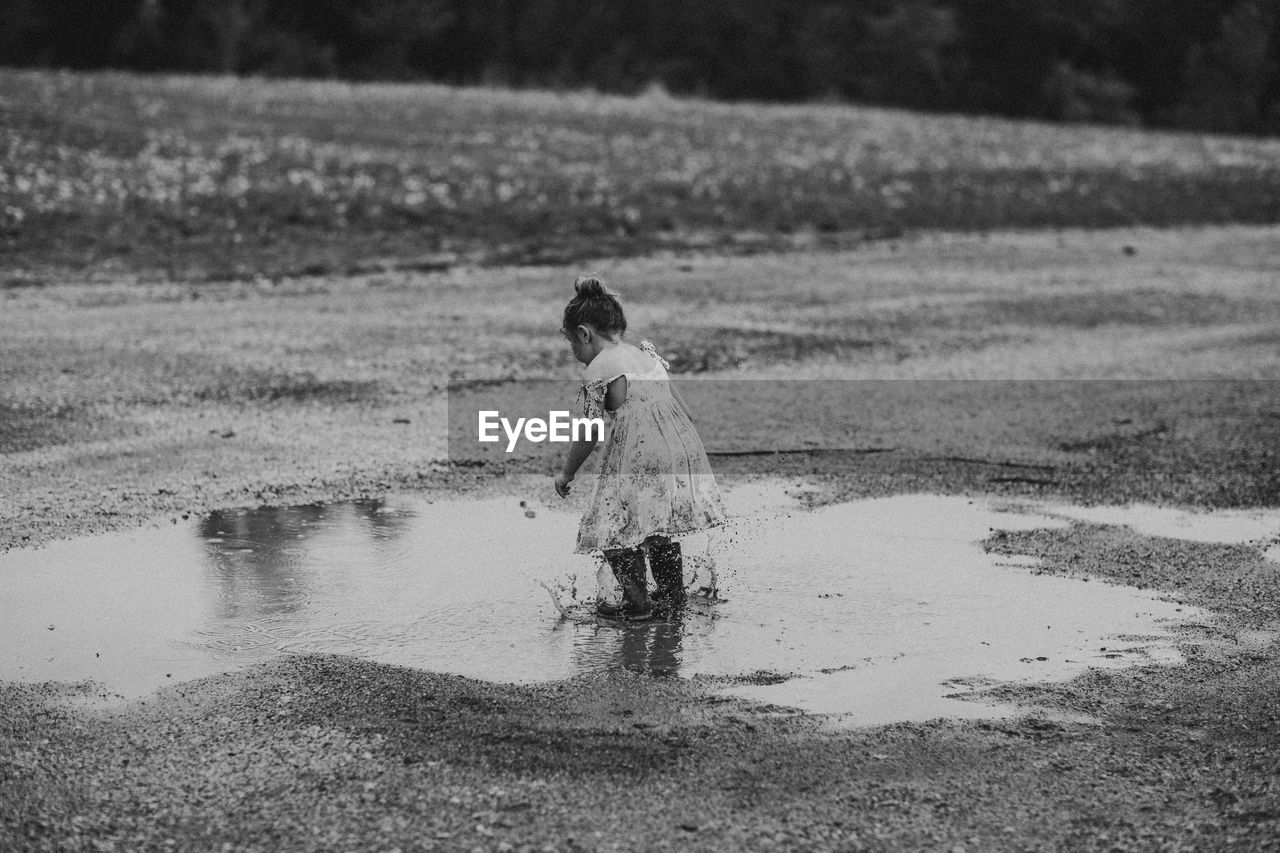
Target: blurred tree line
(1202, 64)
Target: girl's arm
(615, 395)
(578, 453)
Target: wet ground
(874, 611)
(134, 408)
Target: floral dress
(654, 476)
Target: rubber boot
(628, 567)
(668, 573)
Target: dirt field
(1119, 366)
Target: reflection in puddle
(258, 559)
(877, 610)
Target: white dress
(654, 477)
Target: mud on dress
(654, 477)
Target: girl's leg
(667, 564)
(628, 567)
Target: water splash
(554, 591)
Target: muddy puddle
(873, 611)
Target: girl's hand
(562, 484)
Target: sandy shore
(129, 405)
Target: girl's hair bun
(589, 287)
(595, 305)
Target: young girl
(654, 483)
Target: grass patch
(199, 178)
(268, 387)
(699, 349)
(1149, 308)
(31, 426)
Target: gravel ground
(129, 405)
(332, 753)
